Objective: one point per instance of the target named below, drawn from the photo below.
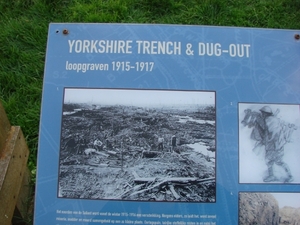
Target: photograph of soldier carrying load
(270, 131)
(139, 145)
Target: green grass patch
(24, 27)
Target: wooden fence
(14, 174)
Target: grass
(24, 26)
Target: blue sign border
(242, 65)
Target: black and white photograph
(269, 143)
(269, 208)
(138, 145)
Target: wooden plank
(172, 179)
(4, 128)
(24, 203)
(172, 189)
(25, 193)
(13, 163)
(136, 176)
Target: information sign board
(168, 124)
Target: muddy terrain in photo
(136, 159)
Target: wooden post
(4, 128)
(14, 174)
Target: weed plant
(24, 26)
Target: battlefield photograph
(138, 145)
(269, 143)
(269, 208)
